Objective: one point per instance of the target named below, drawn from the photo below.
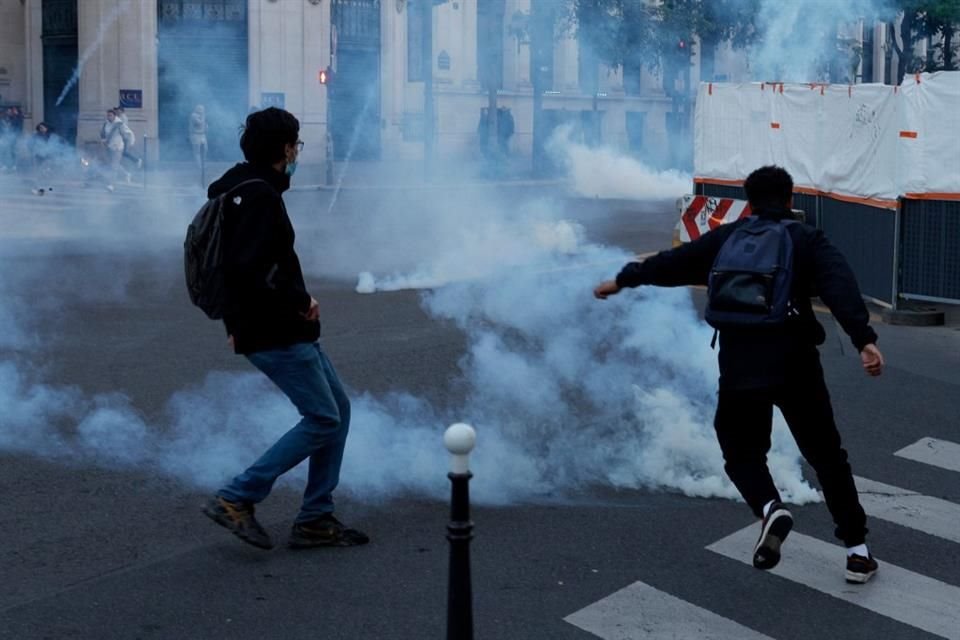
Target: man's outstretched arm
(688, 264)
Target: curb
(919, 317)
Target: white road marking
(894, 592)
(640, 611)
(939, 453)
(930, 515)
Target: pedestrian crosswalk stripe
(931, 515)
(897, 593)
(640, 611)
(939, 453)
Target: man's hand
(872, 360)
(313, 313)
(605, 289)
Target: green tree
(718, 21)
(938, 20)
(631, 32)
(620, 32)
(934, 19)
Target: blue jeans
(304, 373)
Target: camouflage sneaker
(239, 518)
(325, 531)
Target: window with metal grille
(414, 42)
(209, 10)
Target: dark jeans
(304, 373)
(743, 422)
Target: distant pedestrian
(768, 353)
(113, 136)
(505, 127)
(272, 320)
(43, 144)
(11, 129)
(197, 133)
(130, 140)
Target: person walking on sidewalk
(129, 139)
(114, 135)
(777, 364)
(197, 133)
(272, 320)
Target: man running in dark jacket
(766, 366)
(272, 320)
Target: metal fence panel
(867, 238)
(720, 191)
(930, 249)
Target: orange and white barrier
(701, 214)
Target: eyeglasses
(300, 145)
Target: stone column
(12, 53)
(468, 44)
(315, 50)
(516, 74)
(33, 29)
(118, 52)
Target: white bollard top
(459, 439)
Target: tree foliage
(938, 20)
(632, 32)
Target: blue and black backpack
(750, 282)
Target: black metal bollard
(459, 440)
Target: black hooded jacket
(265, 295)
(764, 357)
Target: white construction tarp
(868, 141)
(929, 141)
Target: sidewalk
(381, 174)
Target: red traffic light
(682, 44)
(325, 75)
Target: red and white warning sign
(700, 214)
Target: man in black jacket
(765, 366)
(272, 320)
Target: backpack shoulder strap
(245, 183)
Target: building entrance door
(353, 98)
(61, 95)
(202, 60)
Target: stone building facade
(160, 58)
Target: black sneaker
(860, 569)
(325, 531)
(239, 518)
(775, 529)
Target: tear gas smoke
(797, 39)
(105, 24)
(605, 173)
(565, 392)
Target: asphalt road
(102, 551)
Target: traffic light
(681, 45)
(326, 75)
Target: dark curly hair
(770, 186)
(266, 133)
